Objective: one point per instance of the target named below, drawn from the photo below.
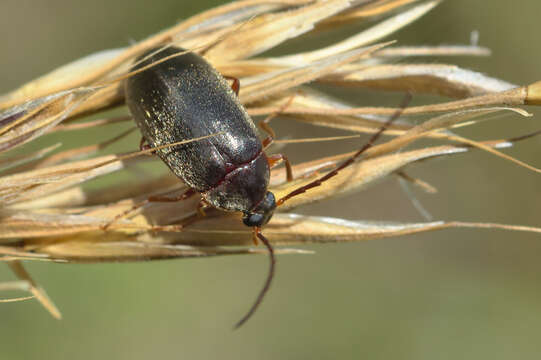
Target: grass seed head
(48, 213)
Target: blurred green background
(457, 294)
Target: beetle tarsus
(278, 158)
(145, 147)
(236, 84)
(264, 124)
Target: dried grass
(47, 215)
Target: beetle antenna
(352, 159)
(266, 286)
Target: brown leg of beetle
(143, 146)
(200, 213)
(185, 195)
(236, 84)
(264, 124)
(201, 208)
(254, 238)
(266, 128)
(267, 141)
(276, 159)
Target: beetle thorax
(243, 188)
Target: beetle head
(262, 213)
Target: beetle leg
(201, 208)
(185, 195)
(200, 213)
(276, 159)
(143, 146)
(236, 84)
(269, 139)
(178, 227)
(264, 124)
(254, 238)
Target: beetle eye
(253, 219)
(261, 214)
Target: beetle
(185, 98)
(174, 95)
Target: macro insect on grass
(184, 98)
(48, 214)
(177, 98)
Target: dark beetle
(178, 96)
(185, 98)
